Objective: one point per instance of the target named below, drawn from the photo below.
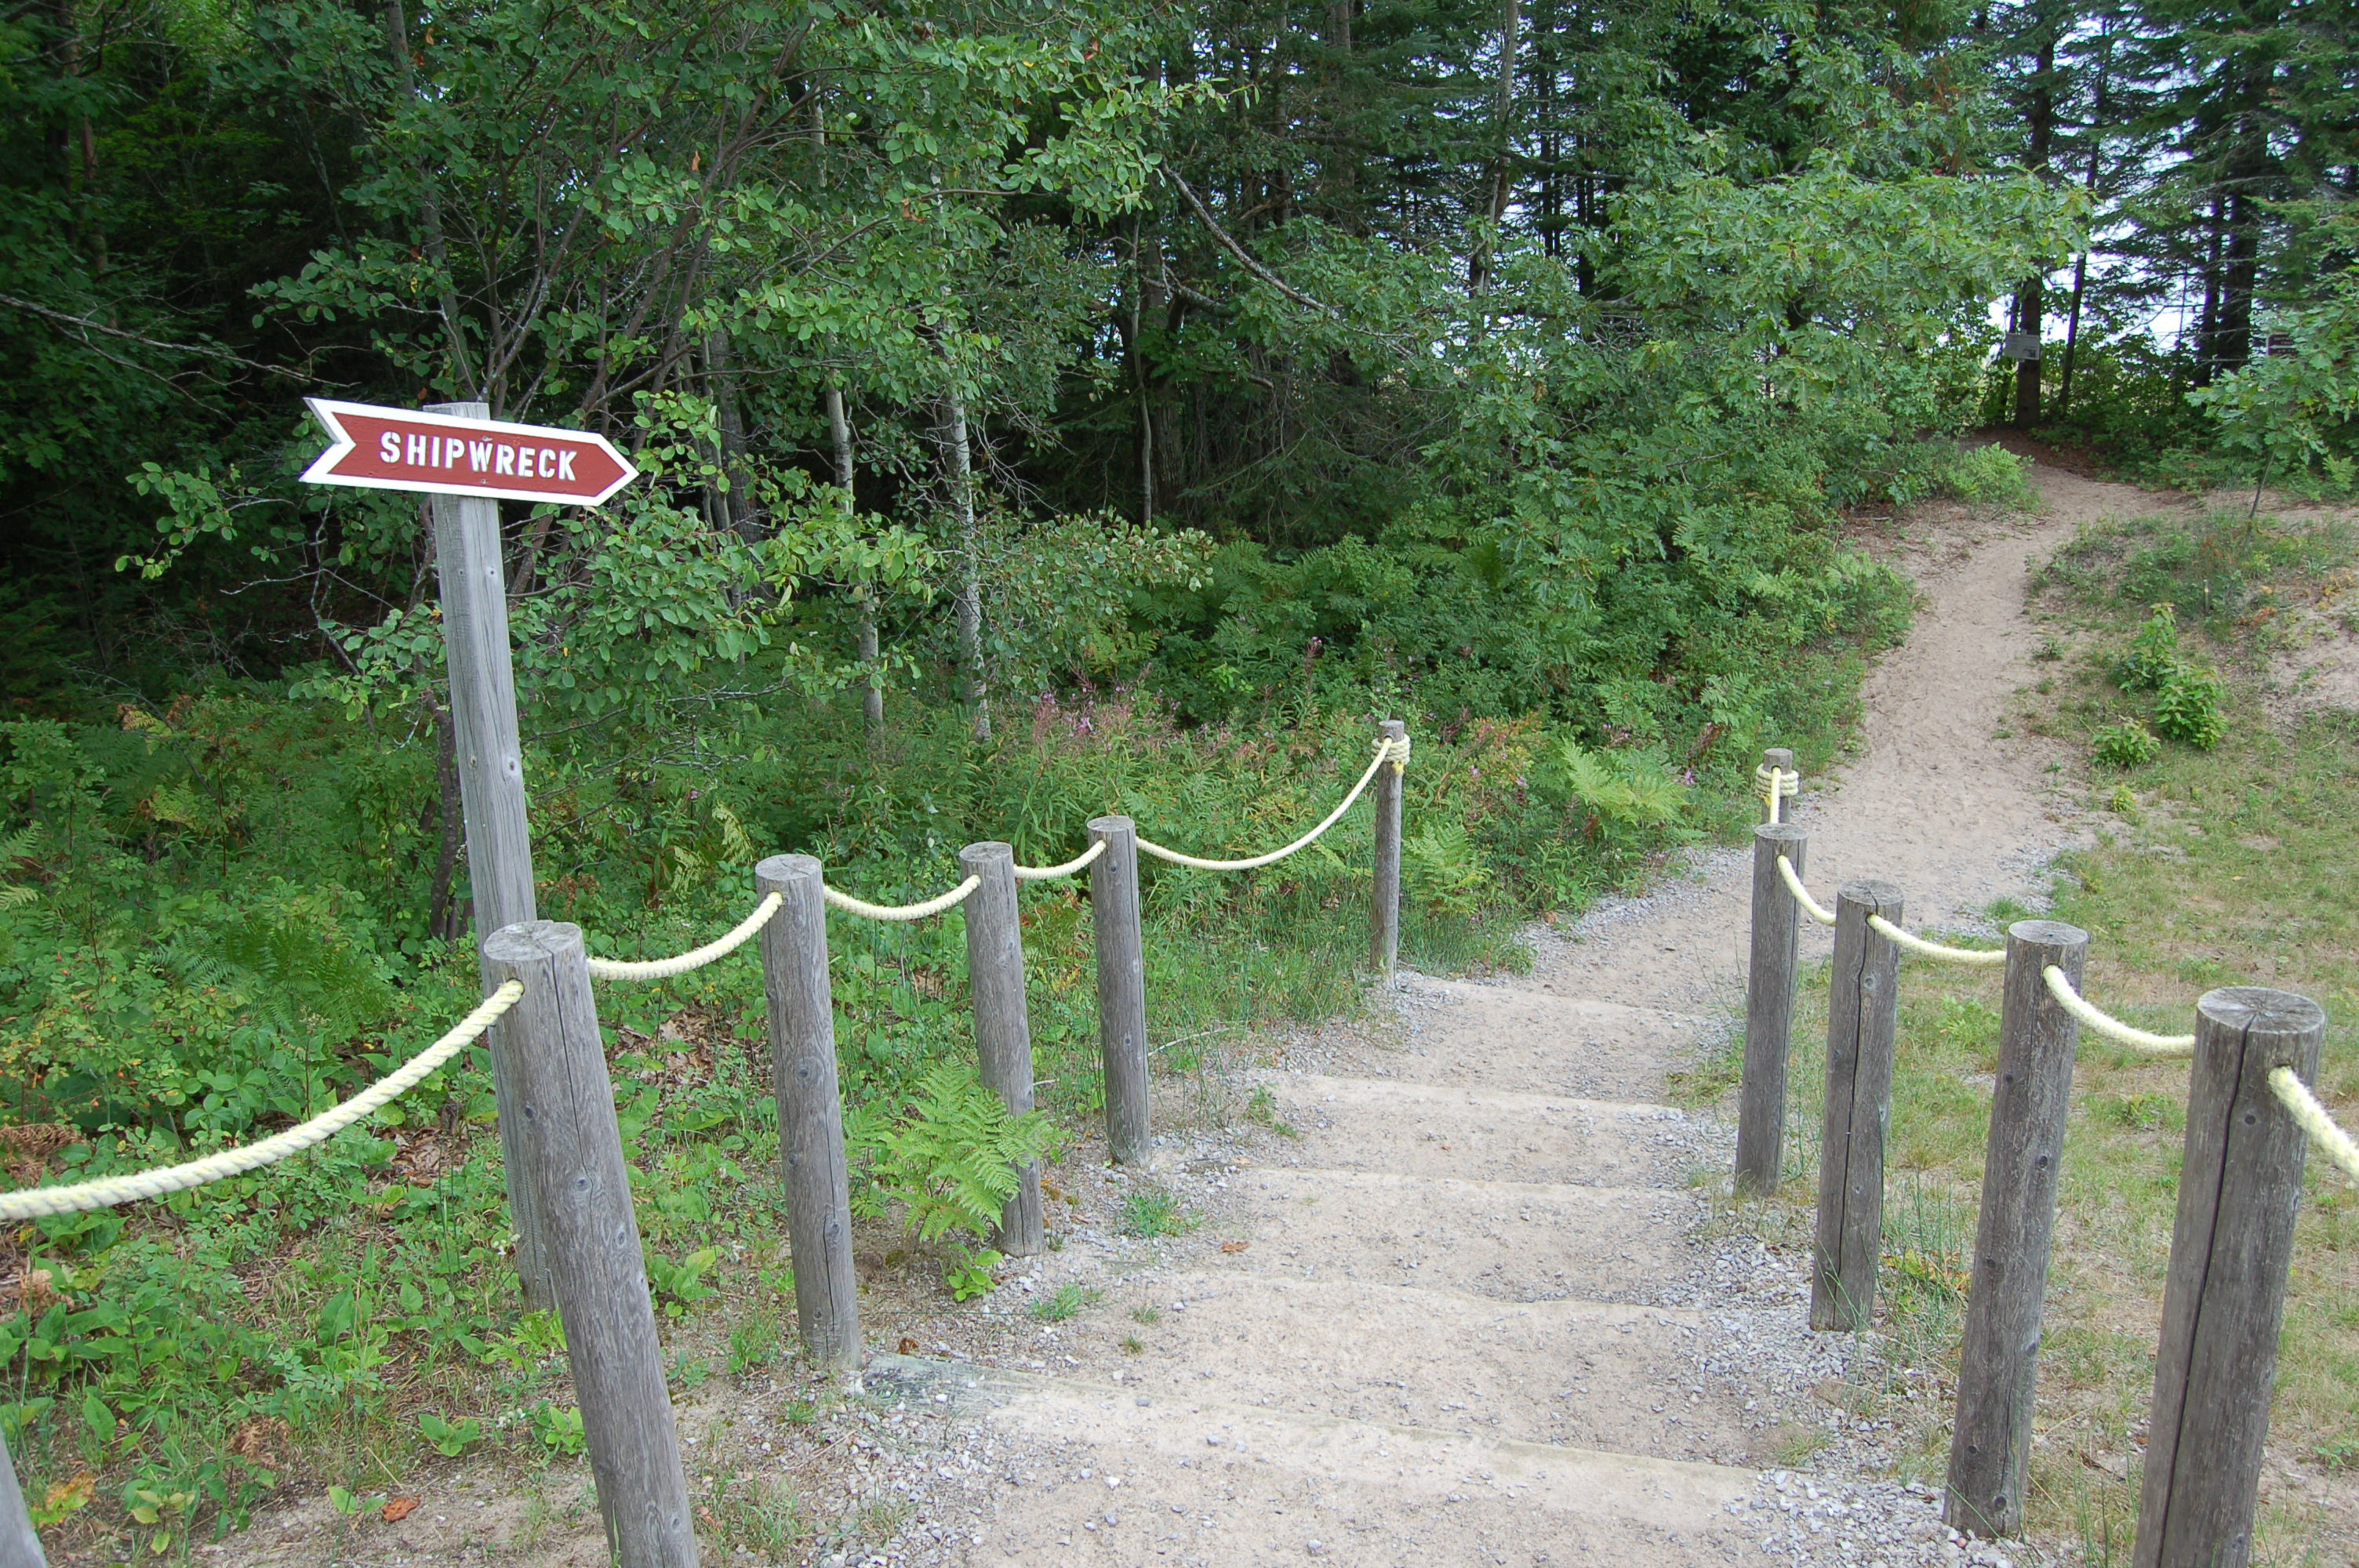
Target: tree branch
(1229, 243)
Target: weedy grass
(2229, 866)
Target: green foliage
(2153, 657)
(449, 1438)
(1988, 473)
(1153, 1212)
(1063, 1304)
(557, 1428)
(2128, 744)
(944, 1154)
(1442, 868)
(2186, 708)
(678, 1285)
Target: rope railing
(2060, 986)
(1774, 784)
(1810, 906)
(1051, 873)
(1972, 956)
(106, 1192)
(2310, 1114)
(898, 911)
(695, 957)
(1395, 751)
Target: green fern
(946, 1154)
(15, 847)
(1621, 789)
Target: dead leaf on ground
(908, 1347)
(401, 1509)
(1234, 1246)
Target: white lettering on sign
(397, 449)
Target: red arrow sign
(400, 449)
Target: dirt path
(1465, 1314)
(1936, 799)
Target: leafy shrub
(1987, 473)
(2186, 708)
(2128, 744)
(2153, 655)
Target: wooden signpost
(568, 1189)
(467, 462)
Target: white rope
(850, 905)
(1384, 750)
(1774, 784)
(2311, 1117)
(1948, 954)
(1051, 873)
(2060, 986)
(1810, 906)
(695, 959)
(108, 1190)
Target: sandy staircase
(1467, 1324)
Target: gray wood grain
(20, 1544)
(810, 1110)
(1770, 1009)
(470, 569)
(1122, 988)
(1384, 906)
(1003, 1029)
(1990, 1446)
(2223, 1300)
(599, 1275)
(1863, 997)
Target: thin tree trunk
(957, 461)
(463, 363)
(2029, 299)
(737, 505)
(1502, 109)
(1138, 367)
(838, 430)
(2080, 264)
(440, 918)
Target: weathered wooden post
(1003, 1030)
(2239, 1188)
(1770, 1009)
(810, 1110)
(1862, 1003)
(599, 1276)
(1990, 1444)
(1383, 909)
(1122, 987)
(470, 569)
(20, 1544)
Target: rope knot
(1396, 747)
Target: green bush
(1989, 474)
(2128, 744)
(2186, 708)
(2153, 657)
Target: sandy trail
(1935, 798)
